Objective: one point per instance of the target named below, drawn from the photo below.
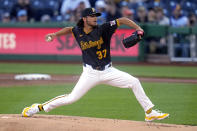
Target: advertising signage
(31, 41)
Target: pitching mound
(69, 123)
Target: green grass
(108, 102)
(104, 101)
(136, 70)
(40, 68)
(161, 71)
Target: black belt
(100, 68)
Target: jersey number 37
(101, 54)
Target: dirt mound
(70, 123)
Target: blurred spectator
(25, 5)
(136, 1)
(141, 15)
(161, 18)
(126, 12)
(181, 42)
(75, 15)
(5, 18)
(152, 42)
(72, 17)
(112, 11)
(118, 3)
(46, 18)
(178, 20)
(71, 5)
(92, 3)
(22, 16)
(151, 16)
(78, 11)
(192, 20)
(80, 8)
(100, 6)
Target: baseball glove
(133, 39)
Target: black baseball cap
(90, 11)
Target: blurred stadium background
(170, 29)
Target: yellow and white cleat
(30, 111)
(156, 115)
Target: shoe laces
(158, 111)
(32, 110)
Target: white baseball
(49, 38)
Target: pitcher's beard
(88, 23)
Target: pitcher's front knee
(135, 82)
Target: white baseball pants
(90, 77)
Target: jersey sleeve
(110, 27)
(73, 31)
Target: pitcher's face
(91, 20)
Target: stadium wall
(26, 42)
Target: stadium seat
(6, 5)
(52, 7)
(52, 4)
(37, 4)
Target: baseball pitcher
(94, 41)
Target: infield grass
(108, 102)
